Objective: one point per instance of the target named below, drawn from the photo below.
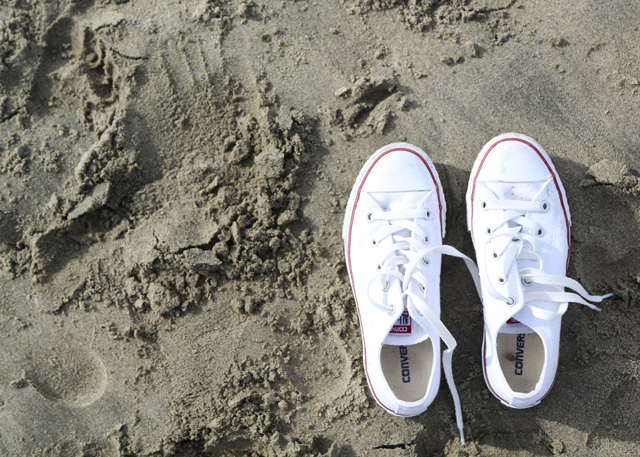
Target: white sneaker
(519, 220)
(393, 231)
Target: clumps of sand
(17, 33)
(368, 104)
(220, 15)
(613, 173)
(236, 215)
(441, 15)
(445, 18)
(244, 223)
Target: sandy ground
(173, 177)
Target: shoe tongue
(400, 201)
(526, 191)
(405, 332)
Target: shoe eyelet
(488, 230)
(370, 217)
(495, 255)
(540, 233)
(484, 205)
(423, 288)
(426, 239)
(428, 215)
(502, 280)
(378, 267)
(545, 206)
(511, 301)
(385, 287)
(525, 282)
(425, 261)
(374, 242)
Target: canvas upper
(519, 219)
(393, 231)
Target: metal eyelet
(540, 233)
(370, 217)
(502, 280)
(545, 206)
(425, 239)
(374, 242)
(511, 301)
(378, 267)
(422, 288)
(425, 261)
(525, 282)
(495, 255)
(488, 230)
(428, 215)
(484, 205)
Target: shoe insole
(521, 358)
(407, 369)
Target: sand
(173, 177)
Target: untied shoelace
(406, 262)
(516, 238)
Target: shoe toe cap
(400, 169)
(514, 160)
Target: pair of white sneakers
(393, 231)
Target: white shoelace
(406, 262)
(519, 242)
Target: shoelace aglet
(462, 437)
(604, 297)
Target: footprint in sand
(61, 370)
(319, 367)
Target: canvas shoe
(393, 231)
(519, 219)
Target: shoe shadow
(593, 403)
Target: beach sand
(173, 179)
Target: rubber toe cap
(399, 170)
(514, 160)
